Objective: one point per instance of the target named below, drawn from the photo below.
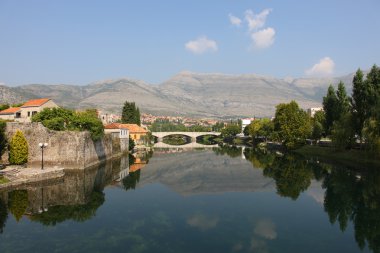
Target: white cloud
(266, 229)
(202, 221)
(324, 67)
(201, 45)
(263, 38)
(256, 21)
(234, 20)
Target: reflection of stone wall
(65, 148)
(75, 189)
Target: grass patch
(3, 180)
(347, 157)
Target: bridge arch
(193, 135)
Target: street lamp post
(42, 146)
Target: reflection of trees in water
(231, 151)
(292, 175)
(259, 158)
(131, 180)
(356, 198)
(3, 215)
(79, 213)
(18, 203)
(351, 195)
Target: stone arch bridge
(192, 135)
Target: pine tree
(18, 149)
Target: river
(213, 200)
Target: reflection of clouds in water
(316, 192)
(259, 245)
(237, 247)
(266, 229)
(202, 221)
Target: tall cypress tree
(330, 102)
(130, 113)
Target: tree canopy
(292, 124)
(130, 113)
(61, 119)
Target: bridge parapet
(192, 135)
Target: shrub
(61, 119)
(18, 149)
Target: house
(245, 123)
(12, 113)
(116, 128)
(136, 132)
(25, 112)
(312, 111)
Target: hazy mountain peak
(186, 93)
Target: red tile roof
(36, 102)
(11, 110)
(133, 128)
(112, 126)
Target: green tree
(18, 149)
(359, 102)
(254, 128)
(130, 113)
(318, 122)
(330, 102)
(60, 119)
(343, 133)
(343, 101)
(292, 124)
(230, 130)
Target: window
(34, 113)
(28, 114)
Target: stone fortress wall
(68, 149)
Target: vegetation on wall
(18, 149)
(61, 119)
(3, 139)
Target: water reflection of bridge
(192, 135)
(188, 145)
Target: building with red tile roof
(136, 132)
(25, 112)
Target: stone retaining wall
(66, 148)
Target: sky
(79, 42)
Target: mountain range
(210, 95)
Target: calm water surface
(221, 200)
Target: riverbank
(346, 157)
(16, 176)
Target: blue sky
(78, 42)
